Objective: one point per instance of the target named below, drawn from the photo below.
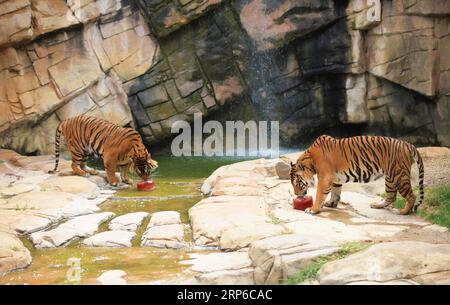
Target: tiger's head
(302, 174)
(142, 162)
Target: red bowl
(146, 185)
(302, 203)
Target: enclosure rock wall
(59, 60)
(339, 67)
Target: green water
(178, 181)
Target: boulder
(17, 189)
(420, 262)
(128, 222)
(279, 257)
(114, 239)
(13, 254)
(283, 170)
(165, 218)
(78, 227)
(164, 236)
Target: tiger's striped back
(88, 135)
(361, 159)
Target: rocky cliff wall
(344, 67)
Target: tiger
(91, 136)
(358, 159)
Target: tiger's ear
(292, 165)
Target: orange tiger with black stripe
(358, 159)
(86, 136)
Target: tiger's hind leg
(391, 195)
(77, 158)
(405, 189)
(76, 168)
(87, 169)
(336, 189)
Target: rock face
(312, 65)
(114, 239)
(415, 262)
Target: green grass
(435, 207)
(310, 272)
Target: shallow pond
(178, 181)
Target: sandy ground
(437, 170)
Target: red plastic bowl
(302, 203)
(146, 185)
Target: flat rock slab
(116, 239)
(52, 203)
(224, 261)
(212, 216)
(112, 277)
(164, 236)
(78, 227)
(165, 218)
(239, 237)
(128, 222)
(17, 189)
(418, 262)
(227, 277)
(330, 230)
(72, 184)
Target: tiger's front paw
(127, 180)
(311, 211)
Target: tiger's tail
(418, 159)
(57, 148)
